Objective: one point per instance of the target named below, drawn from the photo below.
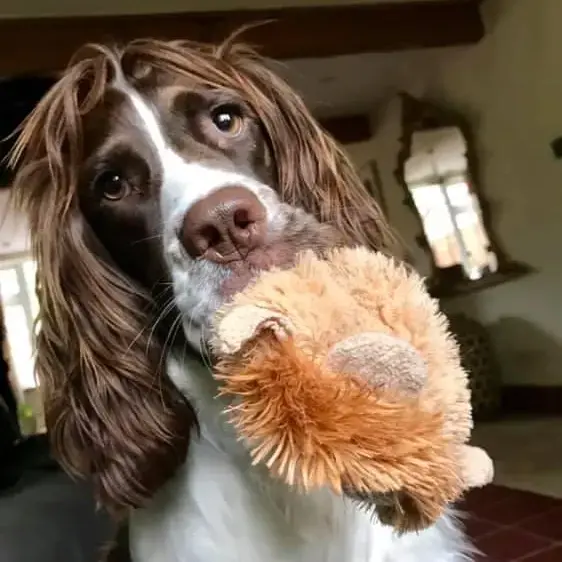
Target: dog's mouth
(242, 270)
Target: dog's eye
(228, 119)
(112, 186)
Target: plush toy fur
(342, 373)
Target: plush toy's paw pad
(244, 323)
(477, 468)
(385, 361)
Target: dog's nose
(225, 225)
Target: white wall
(14, 235)
(510, 86)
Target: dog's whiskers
(167, 308)
(147, 239)
(172, 332)
(205, 353)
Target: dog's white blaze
(183, 184)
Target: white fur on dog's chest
(216, 512)
(219, 508)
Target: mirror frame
(419, 115)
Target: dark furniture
(44, 515)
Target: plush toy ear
(477, 468)
(385, 361)
(243, 324)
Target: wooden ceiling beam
(348, 129)
(46, 44)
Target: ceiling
(331, 86)
(45, 8)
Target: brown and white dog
(158, 179)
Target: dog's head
(158, 179)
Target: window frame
(26, 298)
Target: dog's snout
(225, 225)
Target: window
(17, 289)
(453, 227)
(438, 169)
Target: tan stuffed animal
(341, 373)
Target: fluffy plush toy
(340, 372)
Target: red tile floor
(514, 526)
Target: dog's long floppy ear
(313, 171)
(111, 412)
